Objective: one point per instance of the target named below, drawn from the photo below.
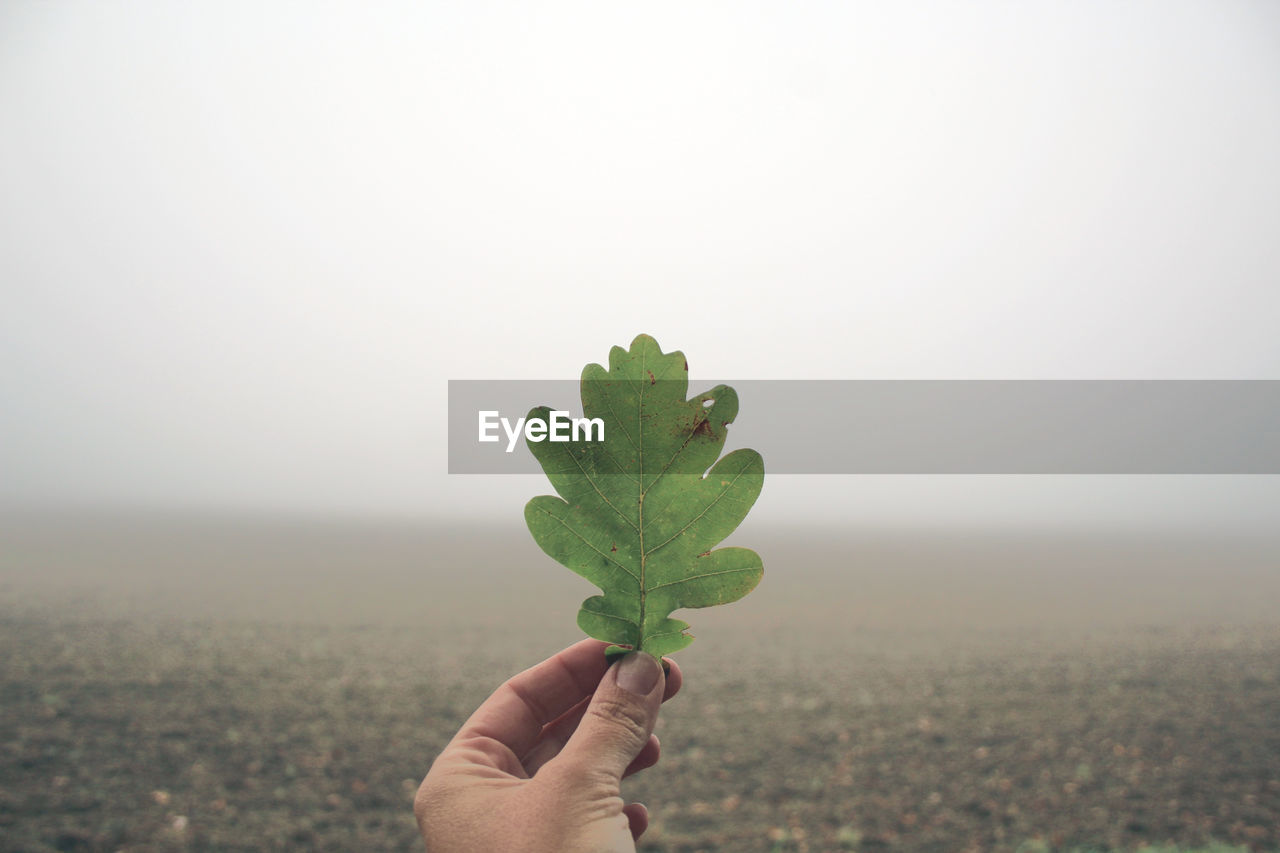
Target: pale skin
(538, 767)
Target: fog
(245, 247)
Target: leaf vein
(584, 541)
(708, 508)
(602, 495)
(704, 575)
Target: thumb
(619, 718)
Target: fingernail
(637, 673)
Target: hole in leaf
(706, 404)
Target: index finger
(516, 712)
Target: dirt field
(170, 684)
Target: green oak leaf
(639, 513)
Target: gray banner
(935, 426)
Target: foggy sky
(245, 245)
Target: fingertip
(674, 678)
(637, 819)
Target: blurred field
(249, 684)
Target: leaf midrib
(644, 352)
(642, 491)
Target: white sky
(244, 245)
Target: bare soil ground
(170, 684)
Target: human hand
(538, 766)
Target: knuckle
(622, 715)
(427, 801)
(565, 781)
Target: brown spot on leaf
(686, 364)
(613, 546)
(705, 554)
(703, 428)
(652, 380)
